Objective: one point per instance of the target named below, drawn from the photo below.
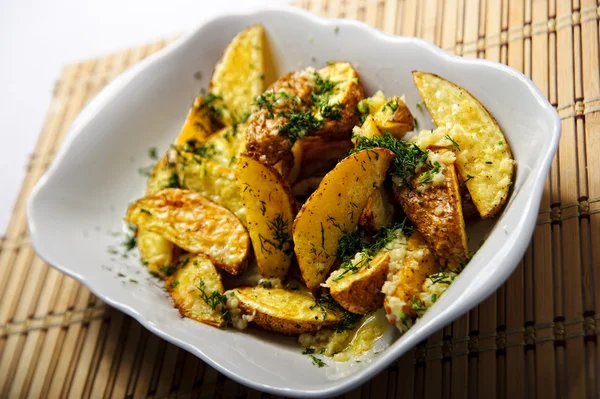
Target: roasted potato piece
(200, 122)
(333, 209)
(309, 103)
(378, 212)
(238, 77)
(368, 129)
(287, 312)
(225, 145)
(195, 224)
(435, 209)
(406, 277)
(156, 252)
(394, 117)
(360, 292)
(196, 289)
(270, 211)
(483, 156)
(211, 180)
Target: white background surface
(38, 37)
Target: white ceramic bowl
(81, 200)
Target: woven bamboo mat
(537, 336)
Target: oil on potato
(483, 156)
(436, 212)
(270, 211)
(287, 312)
(196, 289)
(333, 209)
(360, 292)
(196, 225)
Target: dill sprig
(455, 146)
(409, 157)
(427, 176)
(350, 245)
(215, 300)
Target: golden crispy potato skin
(184, 286)
(484, 159)
(361, 293)
(195, 224)
(333, 209)
(286, 312)
(436, 212)
(270, 211)
(419, 263)
(296, 95)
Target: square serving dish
(76, 209)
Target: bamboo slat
(537, 336)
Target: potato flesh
(406, 280)
(184, 288)
(333, 209)
(238, 77)
(269, 214)
(195, 224)
(484, 160)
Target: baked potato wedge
(195, 287)
(212, 180)
(334, 209)
(407, 274)
(435, 209)
(156, 252)
(202, 120)
(368, 129)
(378, 212)
(270, 210)
(194, 224)
(483, 156)
(287, 312)
(360, 292)
(239, 77)
(300, 104)
(225, 145)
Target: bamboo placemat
(535, 337)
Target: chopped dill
(469, 177)
(130, 242)
(299, 125)
(317, 362)
(409, 157)
(168, 270)
(427, 176)
(174, 283)
(420, 105)
(172, 181)
(215, 300)
(455, 146)
(417, 305)
(308, 351)
(348, 321)
(153, 153)
(392, 105)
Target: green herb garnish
(317, 362)
(469, 177)
(427, 176)
(215, 300)
(409, 157)
(299, 125)
(153, 153)
(455, 146)
(174, 283)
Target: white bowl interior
(80, 202)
